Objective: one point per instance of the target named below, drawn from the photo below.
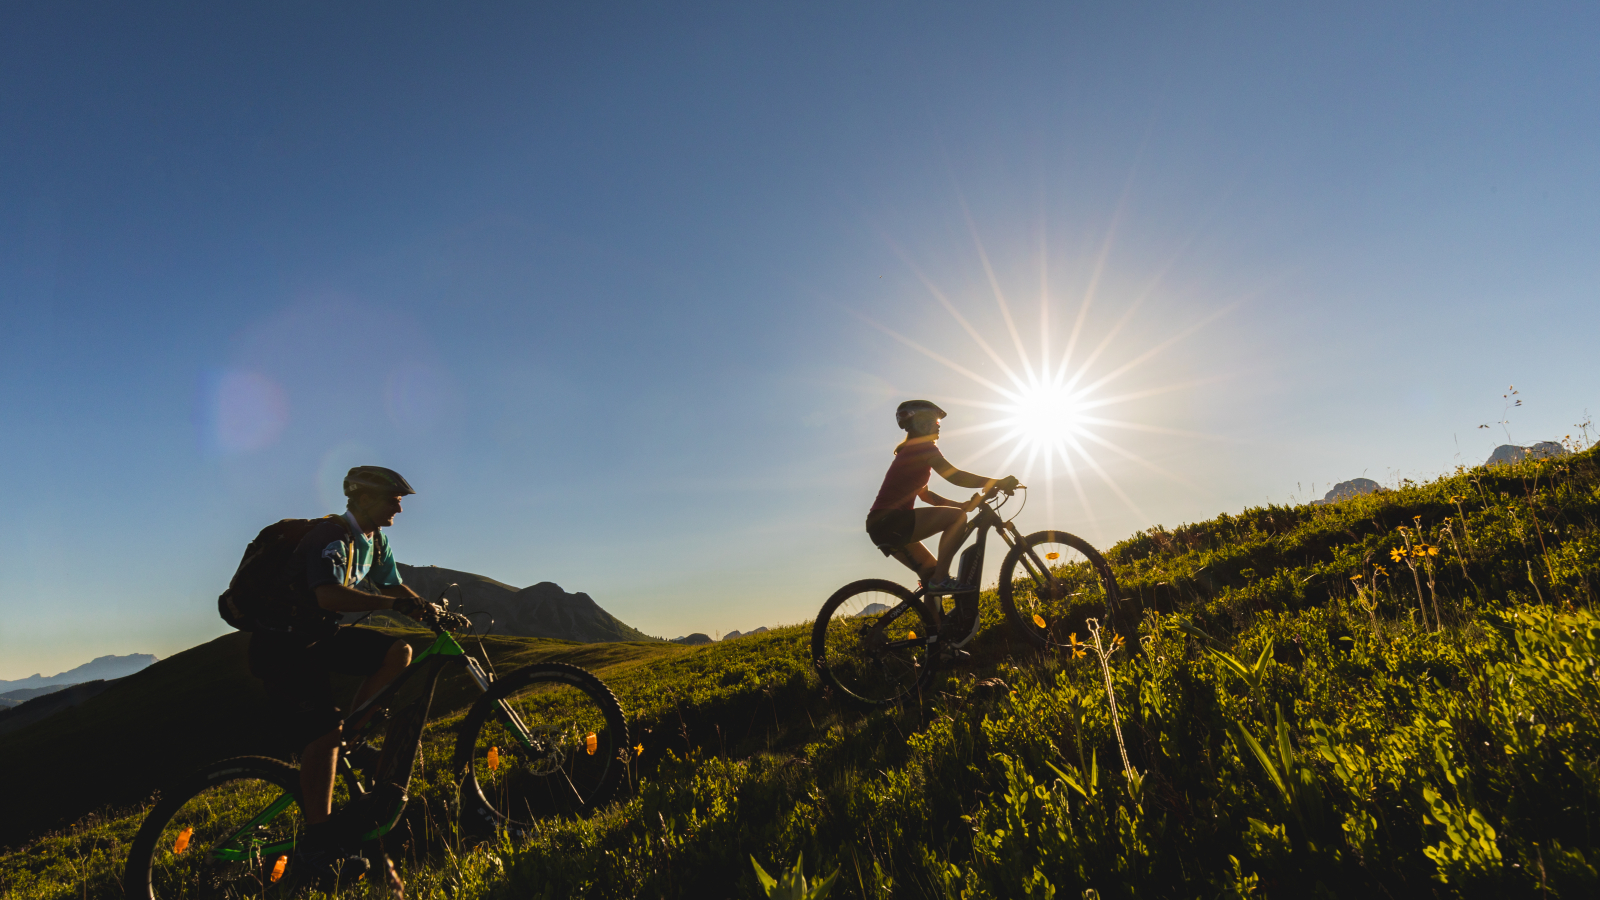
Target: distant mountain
(694, 640)
(100, 668)
(1511, 453)
(1344, 490)
(543, 610)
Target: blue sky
(629, 292)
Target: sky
(629, 292)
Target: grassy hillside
(1300, 714)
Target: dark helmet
(375, 478)
(904, 412)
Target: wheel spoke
(870, 640)
(1052, 584)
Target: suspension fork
(1037, 570)
(507, 715)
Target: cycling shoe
(323, 860)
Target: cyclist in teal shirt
(336, 557)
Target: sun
(1044, 417)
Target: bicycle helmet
(375, 478)
(904, 412)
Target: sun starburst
(1049, 409)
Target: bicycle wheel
(220, 834)
(1052, 583)
(572, 762)
(869, 642)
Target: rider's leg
(916, 558)
(932, 520)
(394, 662)
(317, 763)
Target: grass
(1303, 714)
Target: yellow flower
(1355, 577)
(638, 750)
(1397, 554)
(1432, 550)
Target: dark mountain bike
(874, 641)
(545, 740)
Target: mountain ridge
(541, 610)
(100, 668)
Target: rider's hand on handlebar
(972, 504)
(1009, 484)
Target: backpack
(265, 593)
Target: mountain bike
(875, 642)
(547, 739)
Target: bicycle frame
(392, 776)
(970, 569)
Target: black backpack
(266, 592)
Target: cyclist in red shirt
(897, 527)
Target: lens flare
(1047, 401)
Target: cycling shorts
(891, 529)
(296, 674)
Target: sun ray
(960, 319)
(998, 442)
(1106, 477)
(1155, 429)
(1083, 496)
(1086, 405)
(955, 367)
(999, 296)
(1125, 367)
(1135, 458)
(1101, 347)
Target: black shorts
(891, 529)
(296, 674)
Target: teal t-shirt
(326, 547)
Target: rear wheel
(572, 761)
(870, 643)
(1052, 583)
(220, 834)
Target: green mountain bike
(545, 740)
(875, 642)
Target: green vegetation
(1394, 694)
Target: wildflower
(1052, 556)
(1397, 554)
(638, 750)
(1381, 571)
(1039, 620)
(1355, 577)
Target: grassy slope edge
(1345, 744)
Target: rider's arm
(965, 479)
(338, 598)
(932, 499)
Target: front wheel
(1052, 583)
(225, 832)
(870, 641)
(546, 740)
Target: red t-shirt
(907, 475)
